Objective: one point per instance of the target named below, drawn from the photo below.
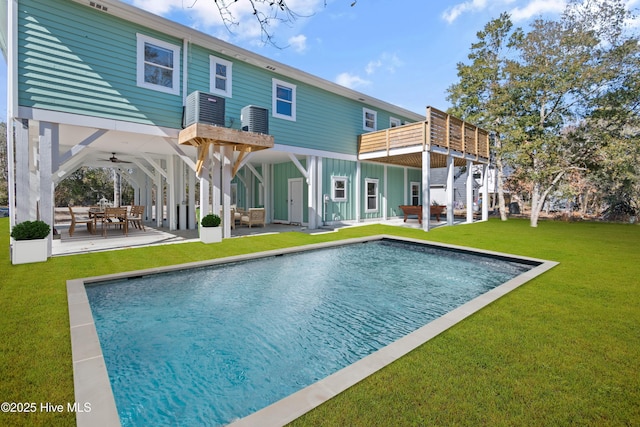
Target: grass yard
(564, 349)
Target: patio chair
(116, 217)
(253, 216)
(135, 217)
(89, 221)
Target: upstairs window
(220, 79)
(393, 122)
(158, 65)
(369, 120)
(284, 100)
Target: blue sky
(403, 52)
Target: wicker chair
(254, 216)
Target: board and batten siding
(74, 59)
(336, 211)
(282, 173)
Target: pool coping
(91, 380)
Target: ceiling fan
(114, 159)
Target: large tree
(482, 94)
(556, 76)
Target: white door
(295, 201)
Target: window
(339, 189)
(393, 122)
(158, 65)
(372, 195)
(220, 76)
(415, 193)
(369, 119)
(284, 100)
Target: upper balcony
(441, 134)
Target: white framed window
(394, 122)
(284, 100)
(339, 188)
(158, 65)
(415, 193)
(371, 204)
(220, 80)
(369, 119)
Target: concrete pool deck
(92, 385)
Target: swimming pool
(200, 352)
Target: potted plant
(30, 243)
(210, 231)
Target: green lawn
(564, 349)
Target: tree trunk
(536, 204)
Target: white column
(485, 192)
(319, 195)
(225, 158)
(191, 223)
(266, 188)
(450, 189)
(159, 198)
(48, 141)
(358, 187)
(311, 192)
(216, 172)
(469, 186)
(205, 189)
(426, 189)
(22, 187)
(385, 189)
(171, 193)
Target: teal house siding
(282, 173)
(339, 210)
(73, 59)
(371, 171)
(395, 190)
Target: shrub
(211, 220)
(30, 230)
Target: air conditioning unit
(203, 108)
(255, 119)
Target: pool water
(211, 345)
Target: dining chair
(91, 224)
(115, 217)
(135, 216)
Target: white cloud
(298, 43)
(387, 61)
(536, 8)
(452, 13)
(351, 81)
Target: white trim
(213, 60)
(96, 122)
(368, 181)
(335, 179)
(142, 40)
(281, 148)
(366, 111)
(274, 99)
(394, 122)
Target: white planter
(27, 251)
(210, 234)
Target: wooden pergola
(202, 136)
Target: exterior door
(295, 201)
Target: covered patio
(441, 141)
